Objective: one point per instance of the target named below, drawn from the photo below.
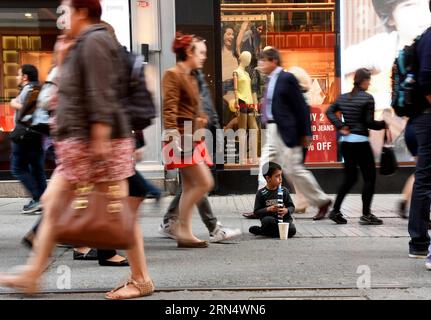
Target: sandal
(90, 255)
(144, 288)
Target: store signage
(116, 13)
(143, 3)
(323, 147)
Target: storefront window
(372, 33)
(28, 32)
(27, 36)
(303, 32)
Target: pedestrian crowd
(92, 110)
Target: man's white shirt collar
(276, 71)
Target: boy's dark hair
(384, 9)
(271, 55)
(31, 72)
(270, 168)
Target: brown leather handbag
(96, 219)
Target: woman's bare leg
(53, 205)
(408, 188)
(196, 182)
(137, 260)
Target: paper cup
(283, 229)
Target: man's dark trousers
(28, 166)
(421, 197)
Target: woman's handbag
(388, 161)
(96, 219)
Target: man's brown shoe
(192, 244)
(249, 215)
(323, 210)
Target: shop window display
(373, 31)
(27, 35)
(303, 31)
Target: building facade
(328, 39)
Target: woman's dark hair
(271, 54)
(31, 72)
(93, 6)
(224, 30)
(182, 43)
(385, 9)
(272, 168)
(360, 76)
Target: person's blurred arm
(295, 99)
(331, 114)
(260, 208)
(371, 123)
(240, 37)
(424, 77)
(15, 104)
(100, 85)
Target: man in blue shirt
(28, 162)
(286, 116)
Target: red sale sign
(143, 4)
(323, 147)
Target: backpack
(405, 88)
(137, 99)
(134, 94)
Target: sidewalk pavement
(323, 260)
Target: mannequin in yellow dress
(246, 110)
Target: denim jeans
(28, 166)
(421, 197)
(204, 209)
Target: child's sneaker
(256, 230)
(221, 233)
(166, 229)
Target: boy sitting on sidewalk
(266, 206)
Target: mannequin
(245, 105)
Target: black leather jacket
(357, 111)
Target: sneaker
(249, 215)
(370, 219)
(166, 229)
(31, 207)
(38, 212)
(337, 217)
(256, 230)
(428, 263)
(418, 254)
(223, 233)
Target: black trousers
(270, 227)
(358, 154)
(421, 198)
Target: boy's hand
(282, 211)
(272, 209)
